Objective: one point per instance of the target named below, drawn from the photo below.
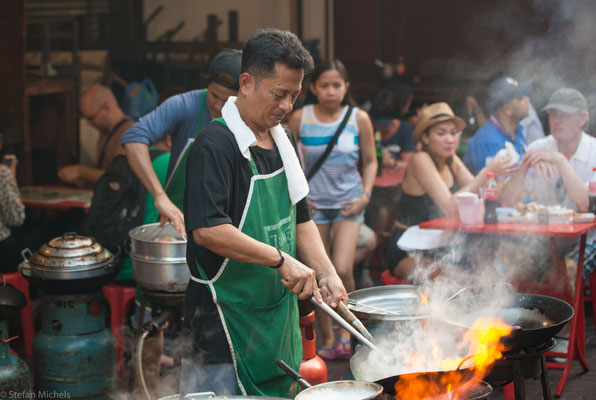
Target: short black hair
(266, 47)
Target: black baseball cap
(503, 90)
(225, 68)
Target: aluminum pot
(69, 264)
(210, 395)
(159, 265)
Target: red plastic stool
(118, 297)
(312, 368)
(17, 280)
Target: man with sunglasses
(181, 116)
(100, 108)
(508, 103)
(556, 169)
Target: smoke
(479, 267)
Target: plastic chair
(592, 279)
(17, 280)
(118, 298)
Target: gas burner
(165, 298)
(520, 365)
(509, 355)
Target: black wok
(11, 302)
(535, 318)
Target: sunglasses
(90, 118)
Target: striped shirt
(338, 179)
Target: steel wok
(535, 318)
(431, 378)
(345, 390)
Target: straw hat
(432, 115)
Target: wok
(535, 318)
(11, 301)
(345, 390)
(435, 378)
(212, 396)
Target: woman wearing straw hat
(433, 176)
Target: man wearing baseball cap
(508, 103)
(181, 116)
(556, 169)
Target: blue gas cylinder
(14, 373)
(74, 353)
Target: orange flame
(483, 349)
(423, 298)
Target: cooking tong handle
(348, 316)
(345, 324)
(295, 375)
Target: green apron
(258, 313)
(175, 185)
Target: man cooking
(248, 223)
(181, 116)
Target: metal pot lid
(71, 251)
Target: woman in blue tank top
(338, 194)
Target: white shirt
(544, 190)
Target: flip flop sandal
(327, 353)
(343, 349)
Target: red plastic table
(55, 197)
(577, 343)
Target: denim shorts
(323, 216)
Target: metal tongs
(348, 321)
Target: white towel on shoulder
(297, 184)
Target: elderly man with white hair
(557, 168)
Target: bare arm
(228, 241)
(369, 165)
(515, 187)
(576, 189)
(139, 160)
(500, 166)
(79, 174)
(311, 252)
(294, 123)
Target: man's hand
(70, 174)
(333, 290)
(545, 161)
(299, 279)
(168, 211)
(501, 166)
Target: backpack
(118, 205)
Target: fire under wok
(535, 318)
(441, 382)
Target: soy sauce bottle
(490, 194)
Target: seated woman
(12, 212)
(433, 176)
